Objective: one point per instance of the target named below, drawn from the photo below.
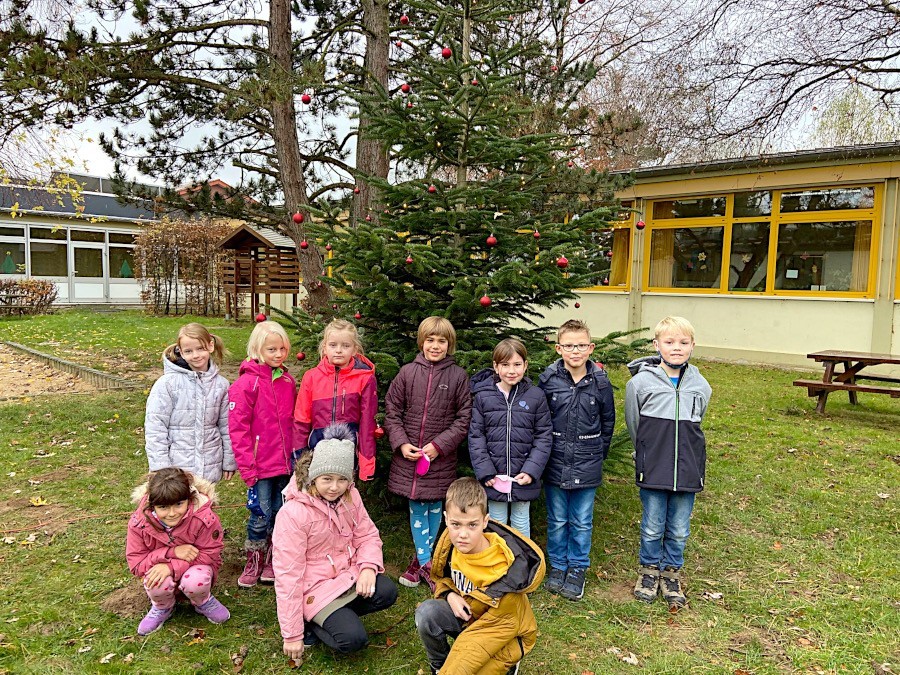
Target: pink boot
(252, 569)
(268, 572)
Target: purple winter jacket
(427, 403)
(261, 421)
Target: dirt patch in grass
(767, 644)
(620, 592)
(65, 472)
(22, 515)
(129, 602)
(22, 376)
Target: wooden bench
(847, 379)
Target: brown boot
(670, 585)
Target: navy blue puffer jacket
(584, 416)
(509, 436)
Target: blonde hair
(437, 325)
(199, 332)
(674, 324)
(466, 493)
(259, 336)
(573, 326)
(341, 326)
(508, 348)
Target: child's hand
(293, 650)
(365, 585)
(411, 452)
(523, 479)
(460, 607)
(227, 475)
(489, 483)
(157, 574)
(187, 552)
(431, 451)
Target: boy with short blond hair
(665, 402)
(583, 415)
(482, 571)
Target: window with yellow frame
(610, 271)
(803, 242)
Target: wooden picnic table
(847, 379)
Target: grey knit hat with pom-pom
(334, 453)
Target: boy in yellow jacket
(482, 571)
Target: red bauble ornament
(570, 164)
(404, 20)
(356, 190)
(306, 98)
(640, 224)
(432, 189)
(304, 244)
(260, 317)
(581, 2)
(609, 254)
(357, 316)
(398, 43)
(409, 260)
(368, 219)
(409, 104)
(605, 281)
(405, 88)
(554, 68)
(378, 432)
(301, 356)
(446, 52)
(334, 307)
(536, 235)
(577, 305)
(485, 301)
(491, 241)
(562, 262)
(474, 82)
(298, 217)
(327, 247)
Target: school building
(770, 257)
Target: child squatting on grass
(665, 401)
(186, 423)
(329, 568)
(263, 435)
(427, 413)
(584, 415)
(510, 436)
(483, 571)
(341, 388)
(174, 543)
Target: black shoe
(573, 588)
(514, 670)
(555, 580)
(310, 639)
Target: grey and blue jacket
(664, 423)
(583, 416)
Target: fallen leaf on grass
(587, 672)
(741, 671)
(389, 642)
(195, 641)
(573, 656)
(109, 657)
(129, 657)
(9, 540)
(38, 501)
(884, 495)
(777, 546)
(631, 659)
(85, 649)
(709, 595)
(295, 663)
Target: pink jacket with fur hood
(319, 550)
(148, 544)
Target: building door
(87, 280)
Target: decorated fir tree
(486, 218)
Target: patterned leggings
(196, 584)
(424, 521)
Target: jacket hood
(173, 363)
(558, 367)
(360, 363)
(257, 368)
(203, 490)
(644, 362)
(487, 379)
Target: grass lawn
(791, 565)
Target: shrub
(39, 295)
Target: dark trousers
(436, 622)
(343, 630)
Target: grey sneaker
(573, 588)
(555, 580)
(670, 586)
(646, 587)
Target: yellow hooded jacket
(502, 629)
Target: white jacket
(186, 423)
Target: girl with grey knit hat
(327, 553)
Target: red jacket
(318, 551)
(329, 395)
(261, 422)
(148, 543)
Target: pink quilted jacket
(318, 552)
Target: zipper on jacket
(284, 451)
(412, 492)
(677, 416)
(343, 401)
(509, 404)
(337, 374)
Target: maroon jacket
(427, 403)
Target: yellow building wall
(603, 312)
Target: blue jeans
(570, 522)
(514, 514)
(665, 526)
(262, 519)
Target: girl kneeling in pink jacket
(327, 553)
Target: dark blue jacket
(584, 415)
(509, 436)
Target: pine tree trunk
(371, 155)
(287, 149)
